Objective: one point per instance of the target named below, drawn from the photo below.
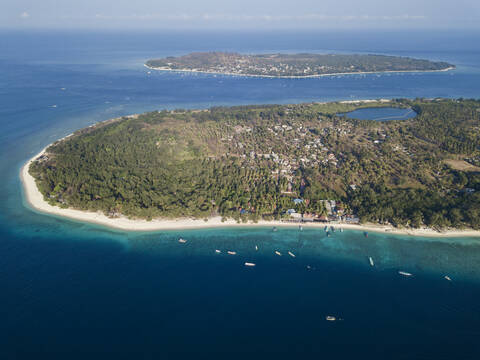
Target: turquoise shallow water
(79, 290)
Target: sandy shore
(36, 201)
(296, 77)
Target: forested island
(301, 162)
(293, 65)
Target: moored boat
(330, 318)
(218, 251)
(278, 253)
(404, 273)
(249, 264)
(231, 253)
(448, 278)
(291, 254)
(371, 261)
(182, 241)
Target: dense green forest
(293, 64)
(252, 162)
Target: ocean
(75, 290)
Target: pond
(381, 114)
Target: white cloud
(24, 15)
(213, 17)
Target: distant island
(293, 65)
(263, 163)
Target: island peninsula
(293, 65)
(269, 164)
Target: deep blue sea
(73, 290)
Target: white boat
(54, 106)
(371, 261)
(448, 278)
(278, 253)
(309, 267)
(256, 248)
(404, 273)
(249, 264)
(330, 318)
(182, 241)
(231, 253)
(291, 254)
(218, 251)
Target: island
(270, 164)
(293, 65)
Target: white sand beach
(293, 77)
(35, 200)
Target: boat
(218, 251)
(278, 253)
(309, 267)
(249, 264)
(341, 229)
(274, 228)
(332, 228)
(182, 241)
(256, 248)
(300, 227)
(291, 254)
(231, 253)
(404, 273)
(328, 234)
(325, 228)
(448, 278)
(330, 318)
(371, 261)
(54, 106)
(365, 234)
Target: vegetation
(298, 65)
(251, 162)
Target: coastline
(35, 199)
(296, 77)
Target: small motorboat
(371, 261)
(404, 273)
(278, 253)
(182, 241)
(330, 318)
(291, 254)
(218, 251)
(249, 264)
(325, 228)
(365, 234)
(274, 229)
(341, 229)
(256, 248)
(448, 278)
(300, 227)
(309, 267)
(231, 253)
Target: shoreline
(296, 77)
(36, 201)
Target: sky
(240, 14)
